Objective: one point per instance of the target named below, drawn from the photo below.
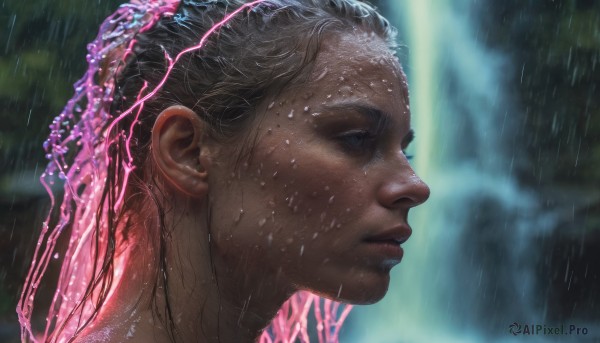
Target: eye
(357, 141)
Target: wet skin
(318, 200)
(326, 173)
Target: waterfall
(467, 269)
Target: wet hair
(171, 58)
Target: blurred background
(505, 97)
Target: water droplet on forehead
(332, 224)
(262, 222)
(306, 108)
(271, 105)
(291, 114)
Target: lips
(396, 236)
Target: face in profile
(321, 200)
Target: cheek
(313, 198)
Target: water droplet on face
(302, 250)
(271, 105)
(328, 96)
(314, 236)
(269, 130)
(291, 114)
(262, 184)
(316, 114)
(322, 75)
(275, 174)
(390, 90)
(331, 199)
(287, 141)
(262, 222)
(240, 214)
(306, 108)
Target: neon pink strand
(88, 171)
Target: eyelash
(357, 141)
(367, 140)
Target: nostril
(405, 202)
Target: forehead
(356, 53)
(358, 59)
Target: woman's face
(321, 203)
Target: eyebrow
(376, 116)
(373, 114)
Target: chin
(367, 291)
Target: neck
(209, 301)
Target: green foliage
(43, 55)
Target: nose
(402, 188)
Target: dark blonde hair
(256, 53)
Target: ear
(178, 152)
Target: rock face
(556, 47)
